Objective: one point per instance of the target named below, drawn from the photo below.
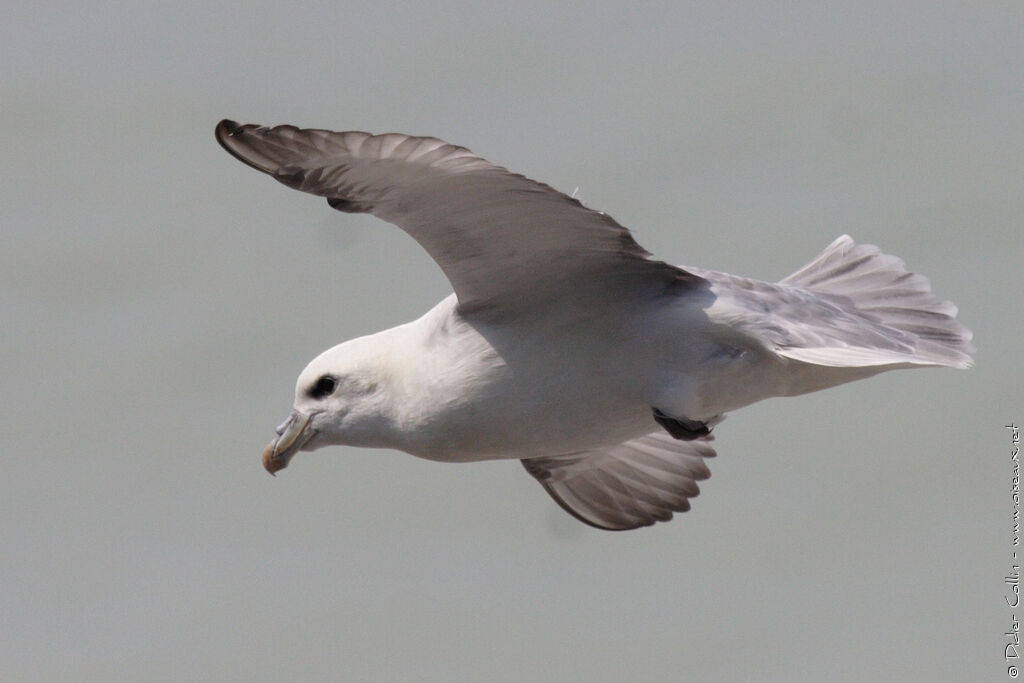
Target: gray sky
(158, 300)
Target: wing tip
(592, 522)
(226, 126)
(224, 131)
(228, 134)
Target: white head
(341, 398)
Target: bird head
(339, 400)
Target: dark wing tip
(224, 131)
(621, 526)
(231, 135)
(226, 127)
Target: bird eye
(324, 386)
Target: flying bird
(565, 344)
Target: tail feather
(881, 288)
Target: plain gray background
(159, 299)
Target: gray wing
(501, 239)
(630, 485)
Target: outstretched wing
(503, 240)
(632, 484)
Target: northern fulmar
(564, 344)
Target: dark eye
(324, 386)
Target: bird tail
(880, 288)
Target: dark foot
(682, 429)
